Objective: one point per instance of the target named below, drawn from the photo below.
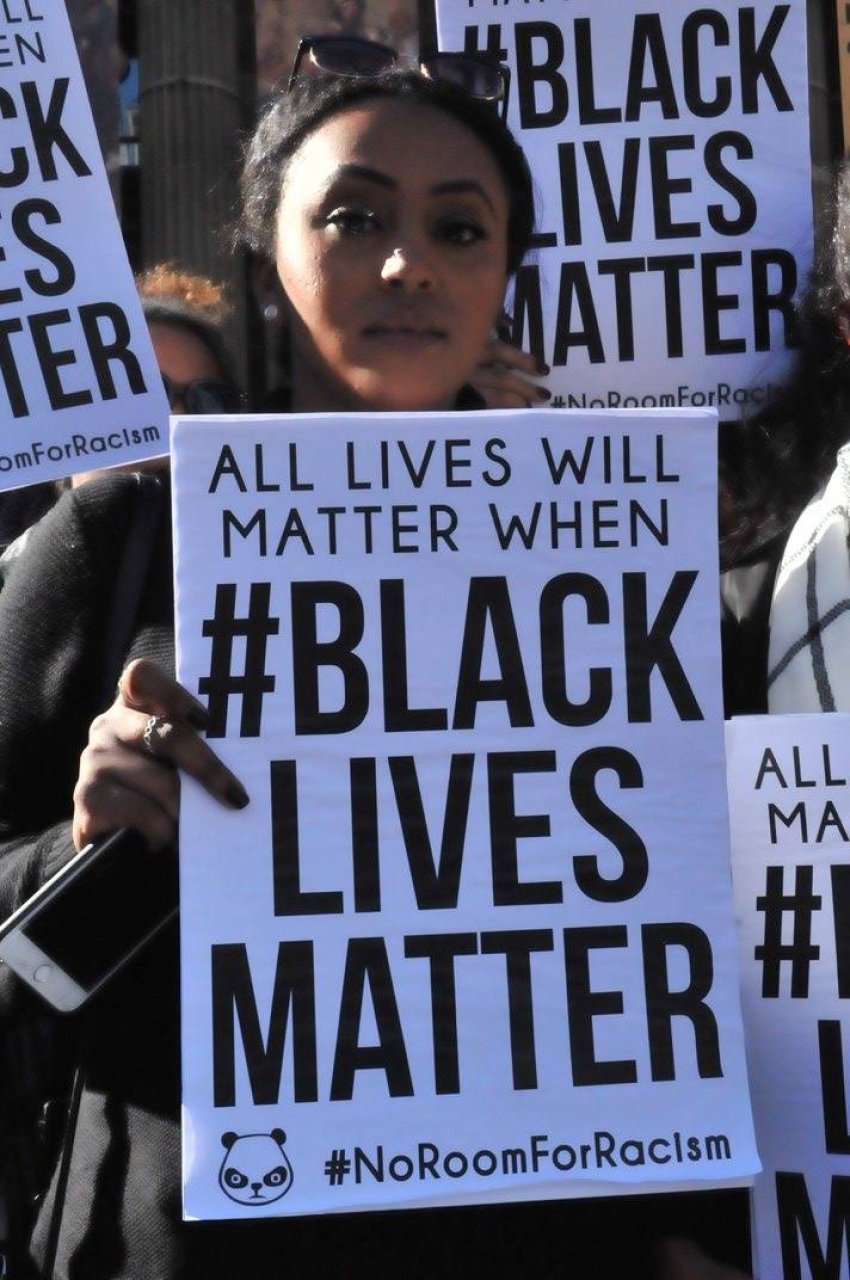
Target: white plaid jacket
(809, 656)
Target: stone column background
(196, 98)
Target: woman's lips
(404, 334)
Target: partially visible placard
(79, 385)
(789, 793)
(472, 939)
(669, 144)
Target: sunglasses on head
(474, 73)
(204, 395)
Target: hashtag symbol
(223, 628)
(799, 952)
(337, 1167)
(558, 402)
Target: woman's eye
(353, 221)
(461, 231)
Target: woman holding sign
(392, 208)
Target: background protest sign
(670, 148)
(790, 818)
(472, 939)
(80, 386)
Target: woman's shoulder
(80, 542)
(110, 492)
(102, 508)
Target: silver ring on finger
(153, 733)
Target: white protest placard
(669, 144)
(79, 385)
(472, 939)
(789, 795)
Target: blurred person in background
(185, 313)
(772, 467)
(350, 18)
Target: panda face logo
(256, 1169)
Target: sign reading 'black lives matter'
(669, 144)
(789, 793)
(472, 938)
(79, 386)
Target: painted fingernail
(543, 368)
(544, 393)
(236, 796)
(198, 718)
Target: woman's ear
(273, 305)
(267, 291)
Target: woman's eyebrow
(363, 171)
(462, 186)
(455, 186)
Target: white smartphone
(81, 926)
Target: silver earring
(270, 311)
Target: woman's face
(182, 356)
(391, 248)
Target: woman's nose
(407, 268)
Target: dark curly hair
(292, 116)
(774, 462)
